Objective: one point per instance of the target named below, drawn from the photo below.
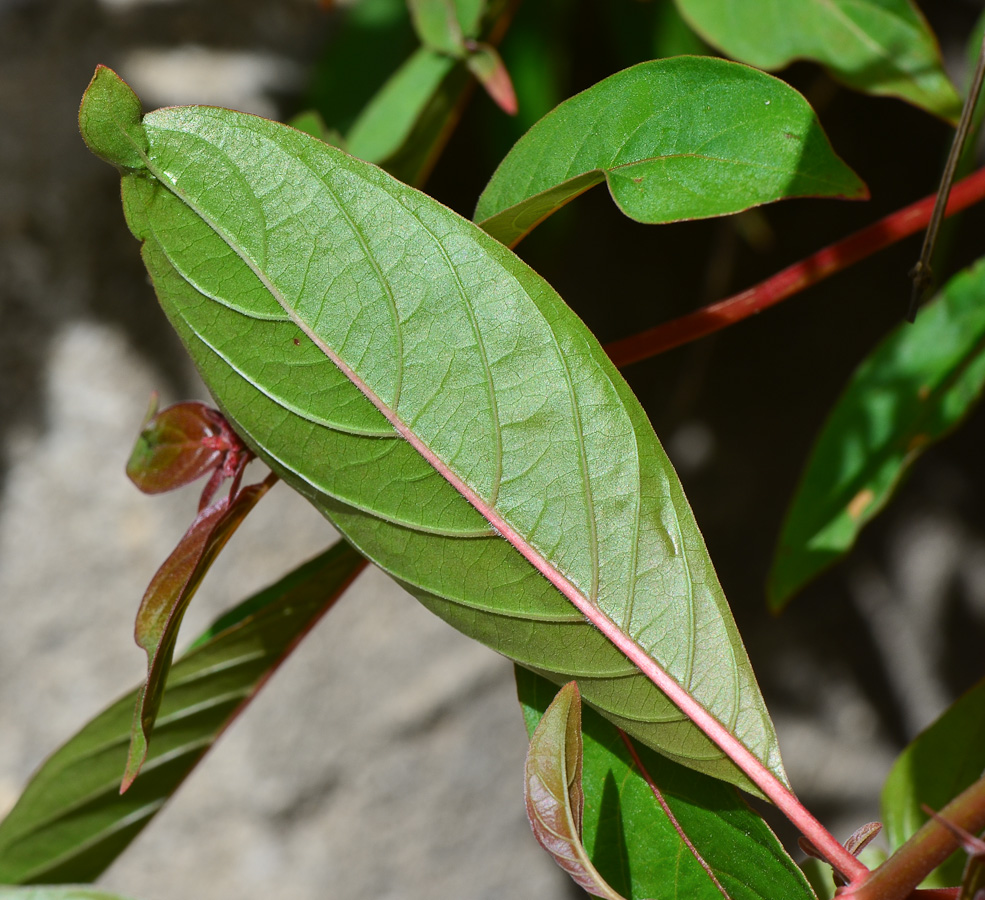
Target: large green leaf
(71, 821)
(878, 46)
(656, 830)
(911, 391)
(682, 138)
(937, 766)
(438, 401)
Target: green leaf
(911, 391)
(878, 46)
(71, 821)
(936, 766)
(388, 120)
(166, 600)
(682, 138)
(436, 24)
(553, 793)
(438, 401)
(684, 835)
(406, 124)
(76, 892)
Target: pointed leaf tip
(110, 120)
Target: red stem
(795, 278)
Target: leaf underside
(911, 391)
(71, 821)
(878, 46)
(697, 840)
(377, 351)
(683, 138)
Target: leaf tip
(110, 120)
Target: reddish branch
(795, 278)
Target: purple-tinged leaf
(176, 446)
(166, 600)
(71, 821)
(655, 829)
(553, 791)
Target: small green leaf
(116, 134)
(682, 138)
(936, 766)
(406, 124)
(913, 389)
(166, 600)
(176, 447)
(436, 24)
(553, 790)
(377, 350)
(388, 120)
(878, 46)
(71, 821)
(654, 829)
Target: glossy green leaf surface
(437, 400)
(878, 46)
(552, 790)
(683, 138)
(683, 835)
(166, 600)
(911, 391)
(71, 821)
(79, 892)
(937, 765)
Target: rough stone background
(385, 759)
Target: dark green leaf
(682, 138)
(911, 391)
(378, 350)
(406, 124)
(166, 600)
(937, 765)
(878, 46)
(683, 836)
(71, 821)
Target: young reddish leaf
(166, 600)
(486, 64)
(175, 447)
(377, 350)
(878, 46)
(71, 821)
(180, 444)
(553, 791)
(684, 138)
